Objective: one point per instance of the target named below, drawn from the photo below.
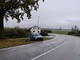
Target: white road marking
(46, 52)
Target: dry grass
(16, 42)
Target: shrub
(45, 32)
(15, 32)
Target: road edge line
(46, 52)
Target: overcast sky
(53, 14)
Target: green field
(61, 31)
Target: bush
(49, 31)
(15, 32)
(77, 33)
(45, 32)
(71, 33)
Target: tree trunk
(1, 24)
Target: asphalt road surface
(61, 47)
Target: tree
(75, 28)
(15, 9)
(74, 31)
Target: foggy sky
(53, 14)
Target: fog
(52, 14)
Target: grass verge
(16, 42)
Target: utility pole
(38, 21)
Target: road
(61, 47)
